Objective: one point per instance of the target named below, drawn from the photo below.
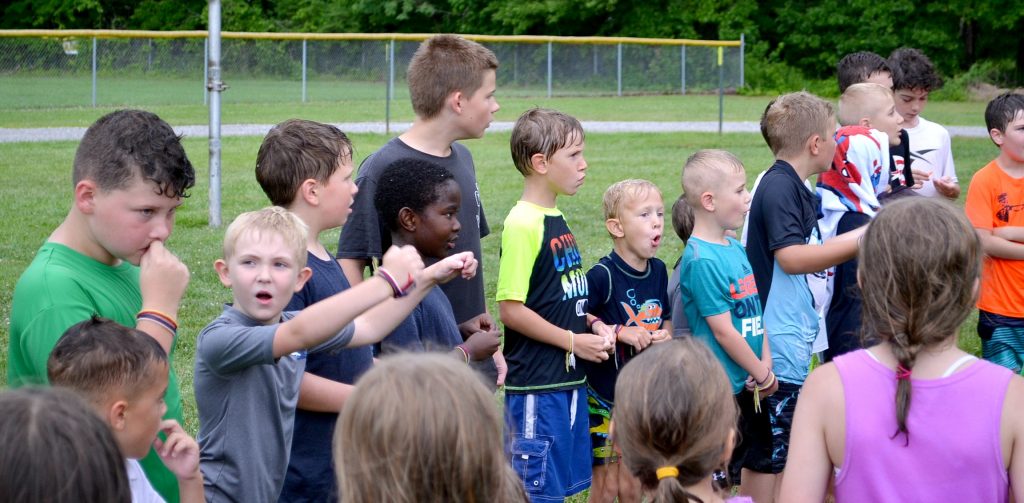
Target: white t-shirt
(930, 151)
(142, 490)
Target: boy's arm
(319, 394)
(180, 454)
(374, 325)
(323, 320)
(353, 269)
(734, 345)
(807, 258)
(1002, 242)
(517, 316)
(162, 281)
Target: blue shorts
(550, 442)
(781, 406)
(1002, 339)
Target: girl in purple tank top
(675, 420)
(912, 418)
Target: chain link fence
(53, 69)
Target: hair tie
(902, 373)
(667, 472)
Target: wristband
(596, 319)
(397, 291)
(159, 318)
(465, 354)
(570, 357)
(762, 381)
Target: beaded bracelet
(465, 354)
(570, 357)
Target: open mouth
(656, 240)
(264, 296)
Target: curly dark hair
(914, 70)
(128, 143)
(408, 183)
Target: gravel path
(12, 135)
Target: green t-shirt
(62, 287)
(716, 279)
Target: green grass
(270, 102)
(37, 192)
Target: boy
(306, 167)
(108, 257)
(123, 374)
(913, 81)
(868, 67)
(720, 296)
(629, 290)
(452, 86)
(995, 199)
(542, 298)
(784, 245)
(249, 360)
(682, 223)
(849, 194)
(419, 203)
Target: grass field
(36, 193)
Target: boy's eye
(281, 264)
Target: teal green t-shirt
(62, 287)
(715, 279)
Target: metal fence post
(215, 86)
(549, 69)
(206, 68)
(682, 64)
(743, 50)
(390, 87)
(619, 68)
(721, 89)
(303, 70)
(94, 72)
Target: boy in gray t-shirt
(250, 360)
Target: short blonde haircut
(625, 192)
(789, 120)
(542, 131)
(864, 100)
(272, 219)
(705, 170)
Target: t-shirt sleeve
(707, 284)
(485, 230)
(979, 202)
(338, 342)
(599, 289)
(228, 347)
(782, 216)
(361, 236)
(44, 330)
(520, 245)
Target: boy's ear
(614, 227)
(116, 416)
(996, 136)
(812, 144)
(408, 219)
(454, 101)
(864, 121)
(304, 274)
(539, 163)
(707, 201)
(308, 191)
(222, 272)
(85, 196)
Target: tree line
(789, 41)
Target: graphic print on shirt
(644, 314)
(1005, 208)
(567, 261)
(746, 305)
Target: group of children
(623, 378)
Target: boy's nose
(456, 225)
(161, 229)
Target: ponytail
(669, 489)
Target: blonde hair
(674, 409)
(705, 170)
(920, 286)
(272, 219)
(422, 427)
(442, 65)
(861, 101)
(789, 120)
(623, 192)
(542, 131)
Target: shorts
(753, 449)
(781, 406)
(1002, 339)
(600, 418)
(549, 444)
